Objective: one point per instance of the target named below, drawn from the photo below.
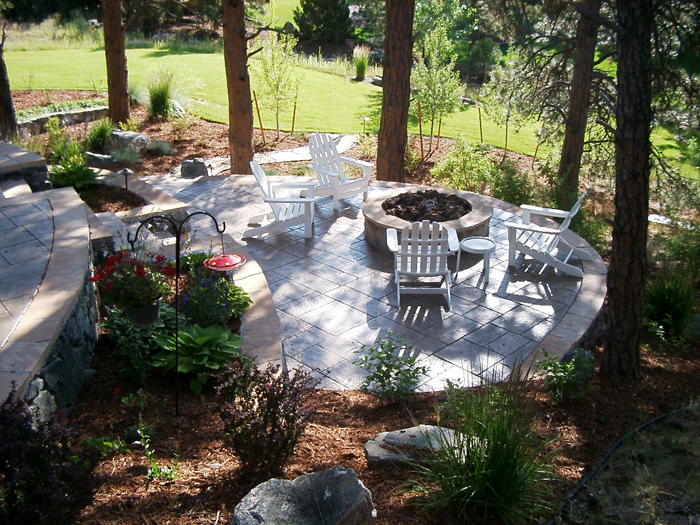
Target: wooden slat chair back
(328, 166)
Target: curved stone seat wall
(49, 315)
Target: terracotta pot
(143, 315)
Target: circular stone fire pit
(377, 221)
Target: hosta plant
(201, 352)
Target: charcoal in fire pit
(428, 205)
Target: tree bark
(240, 108)
(398, 56)
(579, 101)
(627, 273)
(115, 53)
(8, 118)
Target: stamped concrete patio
(334, 293)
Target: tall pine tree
(323, 20)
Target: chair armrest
(392, 239)
(452, 240)
(292, 200)
(357, 162)
(324, 171)
(550, 212)
(531, 228)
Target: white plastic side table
(478, 246)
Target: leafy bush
(466, 167)
(191, 261)
(669, 301)
(42, 481)
(361, 56)
(512, 186)
(103, 446)
(596, 232)
(683, 248)
(264, 413)
(181, 125)
(137, 95)
(97, 135)
(129, 125)
(213, 299)
(567, 379)
(393, 372)
(72, 169)
(201, 351)
(135, 344)
(493, 466)
(412, 158)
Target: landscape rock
(119, 140)
(103, 162)
(333, 497)
(407, 444)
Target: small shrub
(72, 169)
(42, 480)
(57, 139)
(466, 167)
(129, 125)
(201, 352)
(361, 57)
(135, 344)
(97, 135)
(393, 372)
(126, 157)
(567, 379)
(159, 147)
(180, 125)
(412, 158)
(368, 147)
(596, 232)
(510, 185)
(103, 446)
(494, 466)
(213, 299)
(669, 302)
(192, 261)
(264, 412)
(683, 248)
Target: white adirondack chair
(286, 211)
(544, 244)
(421, 255)
(328, 166)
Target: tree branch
(597, 17)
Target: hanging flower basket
(143, 315)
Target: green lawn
(284, 11)
(326, 102)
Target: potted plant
(135, 283)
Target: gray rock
(332, 497)
(119, 140)
(103, 162)
(194, 168)
(404, 445)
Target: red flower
(95, 278)
(108, 287)
(140, 271)
(109, 270)
(168, 271)
(160, 259)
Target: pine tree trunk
(240, 108)
(8, 118)
(398, 48)
(579, 101)
(115, 53)
(627, 273)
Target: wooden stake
(437, 146)
(481, 130)
(294, 112)
(262, 131)
(420, 132)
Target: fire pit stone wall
(377, 221)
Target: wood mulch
(209, 483)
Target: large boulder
(408, 444)
(119, 140)
(333, 497)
